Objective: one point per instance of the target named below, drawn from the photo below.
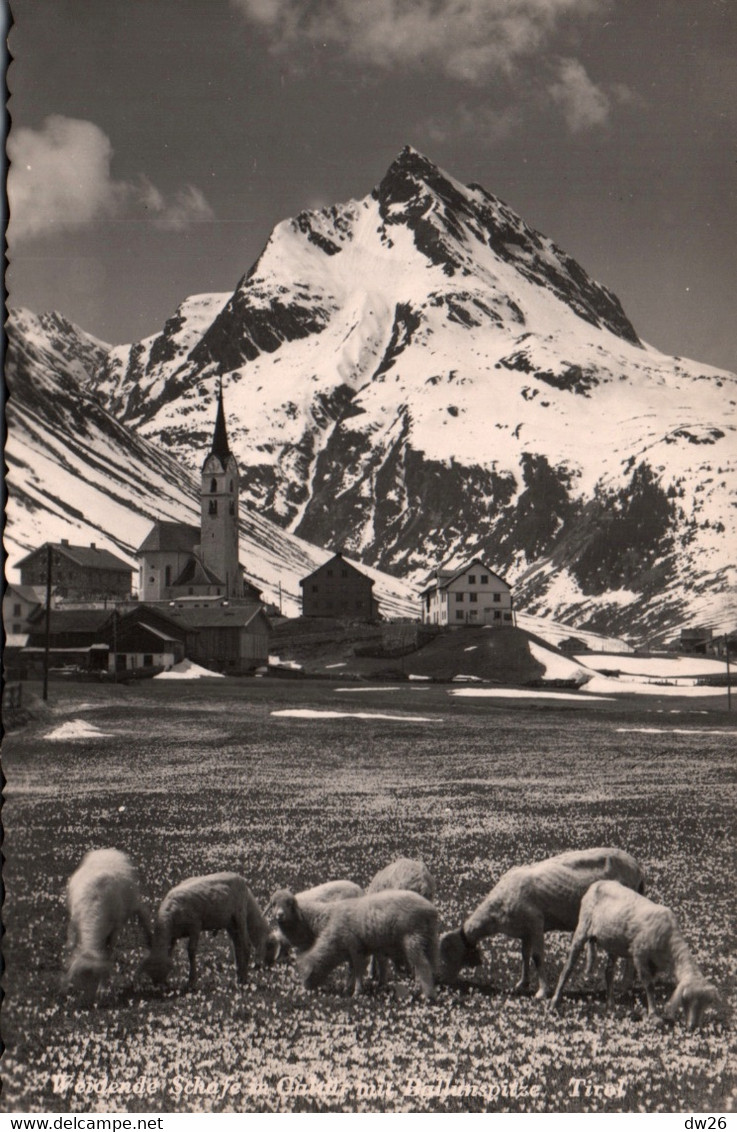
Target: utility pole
(729, 685)
(47, 642)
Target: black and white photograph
(370, 551)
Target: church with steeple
(180, 561)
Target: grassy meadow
(196, 777)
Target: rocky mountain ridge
(420, 376)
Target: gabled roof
(166, 535)
(35, 594)
(195, 573)
(230, 615)
(440, 579)
(83, 556)
(71, 620)
(337, 558)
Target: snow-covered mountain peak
(419, 374)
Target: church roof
(195, 573)
(220, 446)
(166, 535)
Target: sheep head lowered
(695, 995)
(456, 951)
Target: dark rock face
(242, 331)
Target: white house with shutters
(470, 595)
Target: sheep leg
(609, 981)
(590, 959)
(577, 947)
(524, 982)
(422, 967)
(358, 962)
(145, 926)
(538, 958)
(193, 940)
(643, 974)
(242, 952)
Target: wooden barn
(224, 636)
(338, 589)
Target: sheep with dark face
(627, 925)
(101, 895)
(404, 873)
(531, 900)
(209, 903)
(297, 918)
(397, 925)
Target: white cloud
(466, 39)
(487, 125)
(60, 178)
(584, 104)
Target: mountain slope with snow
(75, 472)
(419, 376)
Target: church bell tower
(219, 509)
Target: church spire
(220, 446)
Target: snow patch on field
(559, 667)
(673, 667)
(526, 694)
(309, 713)
(678, 731)
(187, 670)
(77, 729)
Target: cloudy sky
(155, 143)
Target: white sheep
(209, 903)
(627, 924)
(530, 900)
(297, 920)
(101, 895)
(404, 873)
(399, 925)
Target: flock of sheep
(596, 893)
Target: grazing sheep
(399, 925)
(209, 903)
(296, 920)
(404, 873)
(530, 900)
(624, 923)
(101, 895)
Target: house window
(148, 660)
(344, 573)
(507, 616)
(497, 597)
(459, 615)
(473, 597)
(314, 589)
(17, 610)
(497, 615)
(213, 508)
(330, 573)
(213, 484)
(472, 579)
(232, 507)
(484, 579)
(167, 576)
(17, 629)
(230, 485)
